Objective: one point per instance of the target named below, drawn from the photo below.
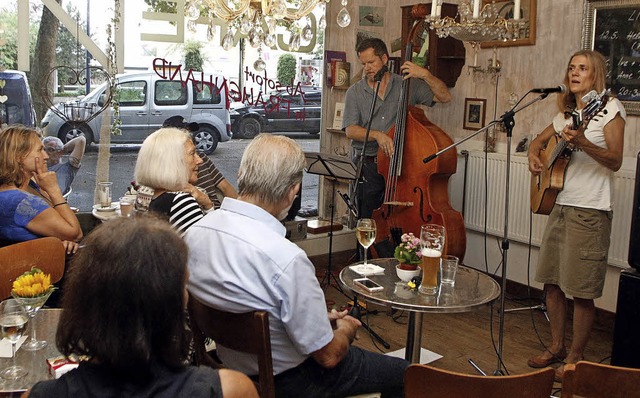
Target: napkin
(5, 347)
(370, 269)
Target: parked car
(279, 112)
(16, 105)
(146, 101)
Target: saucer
(98, 207)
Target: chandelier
(257, 20)
(475, 24)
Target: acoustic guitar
(556, 155)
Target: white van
(146, 101)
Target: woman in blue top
(31, 204)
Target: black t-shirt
(91, 380)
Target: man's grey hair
(57, 142)
(270, 166)
(161, 162)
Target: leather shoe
(541, 361)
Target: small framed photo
(371, 16)
(474, 113)
(337, 117)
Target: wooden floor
(474, 335)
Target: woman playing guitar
(573, 254)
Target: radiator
(521, 223)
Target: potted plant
(408, 252)
(409, 255)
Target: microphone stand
(359, 180)
(508, 120)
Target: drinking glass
(104, 193)
(126, 205)
(448, 269)
(31, 306)
(366, 234)
(432, 242)
(13, 321)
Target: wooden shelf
(446, 56)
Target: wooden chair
(44, 253)
(595, 380)
(428, 382)
(246, 332)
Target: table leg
(414, 337)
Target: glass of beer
(432, 241)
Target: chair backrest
(246, 332)
(595, 380)
(48, 254)
(428, 382)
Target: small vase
(406, 275)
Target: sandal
(541, 361)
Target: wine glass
(13, 321)
(31, 306)
(366, 234)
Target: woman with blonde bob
(166, 169)
(31, 203)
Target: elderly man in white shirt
(241, 261)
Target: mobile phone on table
(368, 285)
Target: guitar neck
(560, 147)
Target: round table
(472, 290)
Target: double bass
(417, 193)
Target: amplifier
(626, 344)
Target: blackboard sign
(613, 29)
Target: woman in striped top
(167, 168)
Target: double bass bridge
(397, 203)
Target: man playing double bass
(425, 89)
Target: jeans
(359, 372)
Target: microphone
(558, 89)
(380, 73)
(348, 202)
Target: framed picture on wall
(607, 22)
(527, 14)
(474, 113)
(371, 16)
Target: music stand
(334, 168)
